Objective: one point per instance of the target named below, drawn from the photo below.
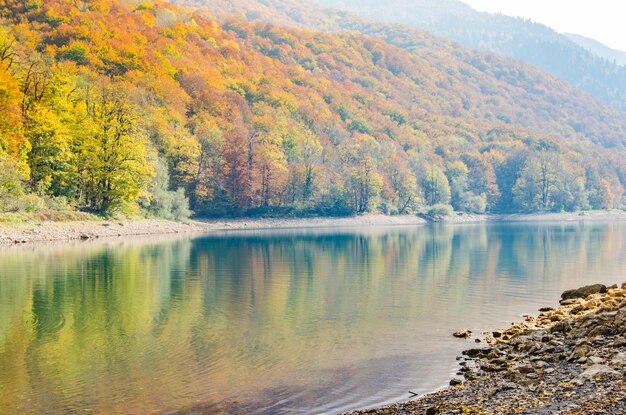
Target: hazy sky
(603, 20)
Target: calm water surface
(273, 322)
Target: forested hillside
(518, 38)
(112, 106)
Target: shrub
(440, 211)
(10, 186)
(31, 203)
(179, 205)
(164, 203)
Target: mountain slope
(514, 37)
(598, 48)
(305, 14)
(113, 104)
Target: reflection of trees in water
(188, 318)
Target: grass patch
(46, 216)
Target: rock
(546, 309)
(598, 331)
(475, 352)
(619, 359)
(596, 360)
(620, 320)
(493, 368)
(462, 334)
(577, 309)
(583, 292)
(432, 411)
(525, 369)
(619, 342)
(595, 370)
(456, 381)
(581, 349)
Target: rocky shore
(568, 360)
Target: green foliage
(11, 188)
(436, 186)
(440, 211)
(77, 52)
(31, 203)
(164, 203)
(113, 159)
(360, 126)
(50, 154)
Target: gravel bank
(11, 234)
(46, 231)
(569, 360)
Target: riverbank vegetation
(149, 109)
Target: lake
(274, 322)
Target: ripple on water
(304, 322)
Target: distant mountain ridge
(518, 38)
(599, 48)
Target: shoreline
(570, 360)
(42, 232)
(51, 231)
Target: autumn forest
(146, 108)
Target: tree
(270, 168)
(112, 152)
(12, 141)
(303, 151)
(165, 203)
(403, 184)
(463, 199)
(482, 180)
(599, 190)
(363, 182)
(435, 185)
(10, 184)
(534, 189)
(49, 157)
(209, 185)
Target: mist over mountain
(599, 48)
(584, 67)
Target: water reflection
(272, 322)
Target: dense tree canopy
(115, 106)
